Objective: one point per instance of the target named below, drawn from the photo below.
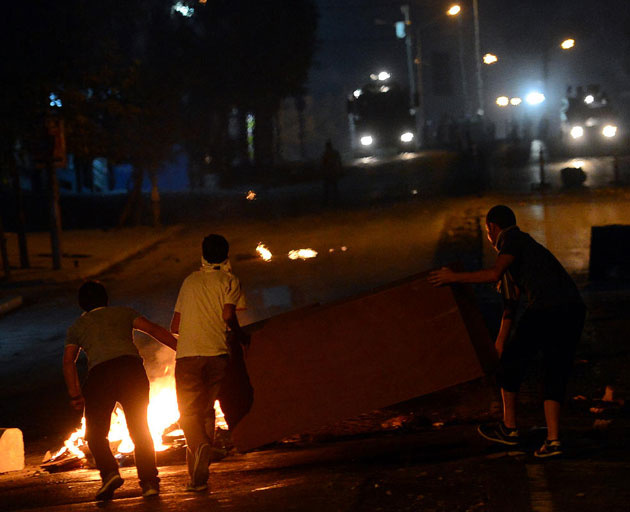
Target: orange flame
(161, 414)
(302, 254)
(263, 252)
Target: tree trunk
(300, 105)
(4, 253)
(55, 215)
(21, 218)
(133, 200)
(155, 198)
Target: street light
(567, 44)
(516, 101)
(454, 10)
(490, 58)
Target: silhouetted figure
(331, 171)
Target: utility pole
(415, 79)
(462, 67)
(480, 102)
(21, 220)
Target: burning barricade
(168, 438)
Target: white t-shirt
(202, 331)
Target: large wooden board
(322, 364)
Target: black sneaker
(549, 449)
(499, 433)
(150, 489)
(110, 483)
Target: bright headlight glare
(609, 131)
(535, 98)
(577, 132)
(406, 137)
(367, 140)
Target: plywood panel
(319, 365)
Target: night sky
(356, 38)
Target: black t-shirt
(537, 272)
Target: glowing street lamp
(490, 58)
(503, 101)
(454, 10)
(515, 102)
(567, 44)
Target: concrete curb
(10, 304)
(130, 253)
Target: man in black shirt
(551, 323)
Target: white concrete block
(11, 450)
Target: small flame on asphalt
(251, 196)
(344, 248)
(302, 254)
(263, 252)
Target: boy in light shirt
(205, 310)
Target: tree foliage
(138, 77)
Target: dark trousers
(555, 332)
(121, 380)
(198, 381)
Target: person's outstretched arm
(447, 276)
(71, 376)
(157, 332)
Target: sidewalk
(86, 253)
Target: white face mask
(224, 265)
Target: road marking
(539, 493)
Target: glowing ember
(251, 196)
(344, 248)
(263, 252)
(302, 254)
(162, 413)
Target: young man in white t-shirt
(205, 309)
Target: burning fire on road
(263, 252)
(303, 254)
(162, 416)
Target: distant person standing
(115, 374)
(331, 172)
(205, 310)
(551, 323)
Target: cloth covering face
(202, 296)
(104, 334)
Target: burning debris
(263, 252)
(302, 254)
(251, 195)
(168, 438)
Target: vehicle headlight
(406, 137)
(577, 132)
(609, 131)
(367, 140)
